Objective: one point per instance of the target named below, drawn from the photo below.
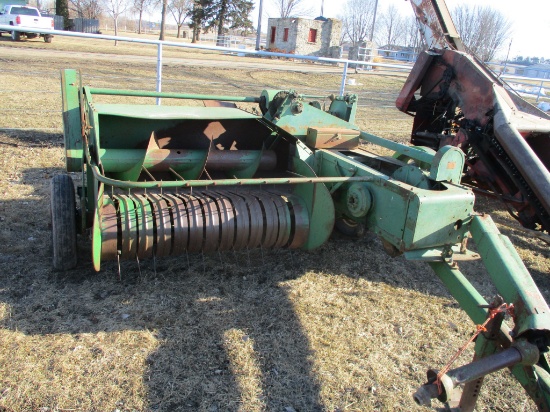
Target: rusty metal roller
(201, 221)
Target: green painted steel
(144, 93)
(72, 126)
(319, 204)
(153, 112)
(99, 177)
(421, 165)
(295, 116)
(358, 200)
(399, 148)
(96, 229)
(409, 217)
(344, 107)
(267, 96)
(534, 379)
(511, 277)
(122, 160)
(448, 165)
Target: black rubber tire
(63, 211)
(16, 35)
(349, 227)
(48, 38)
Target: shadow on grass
(30, 138)
(229, 335)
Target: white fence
(237, 51)
(521, 85)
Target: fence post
(540, 90)
(159, 71)
(344, 75)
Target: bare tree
(291, 8)
(357, 20)
(391, 29)
(141, 6)
(483, 29)
(115, 8)
(180, 9)
(86, 9)
(411, 35)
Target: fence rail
(537, 90)
(239, 52)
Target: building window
(285, 34)
(273, 29)
(312, 38)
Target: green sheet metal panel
(72, 127)
(406, 216)
(386, 216)
(297, 121)
(438, 217)
(139, 111)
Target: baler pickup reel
(175, 179)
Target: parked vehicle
(25, 17)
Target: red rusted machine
(456, 100)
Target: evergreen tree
(199, 17)
(232, 13)
(62, 9)
(221, 14)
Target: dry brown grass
(75, 44)
(341, 328)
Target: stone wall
(299, 33)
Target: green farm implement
(175, 179)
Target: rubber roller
(147, 225)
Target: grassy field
(341, 328)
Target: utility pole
(503, 69)
(373, 21)
(259, 30)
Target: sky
(530, 20)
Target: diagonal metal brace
(512, 280)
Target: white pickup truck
(26, 17)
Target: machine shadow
(227, 332)
(31, 138)
(229, 336)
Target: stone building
(318, 37)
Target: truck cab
(24, 17)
